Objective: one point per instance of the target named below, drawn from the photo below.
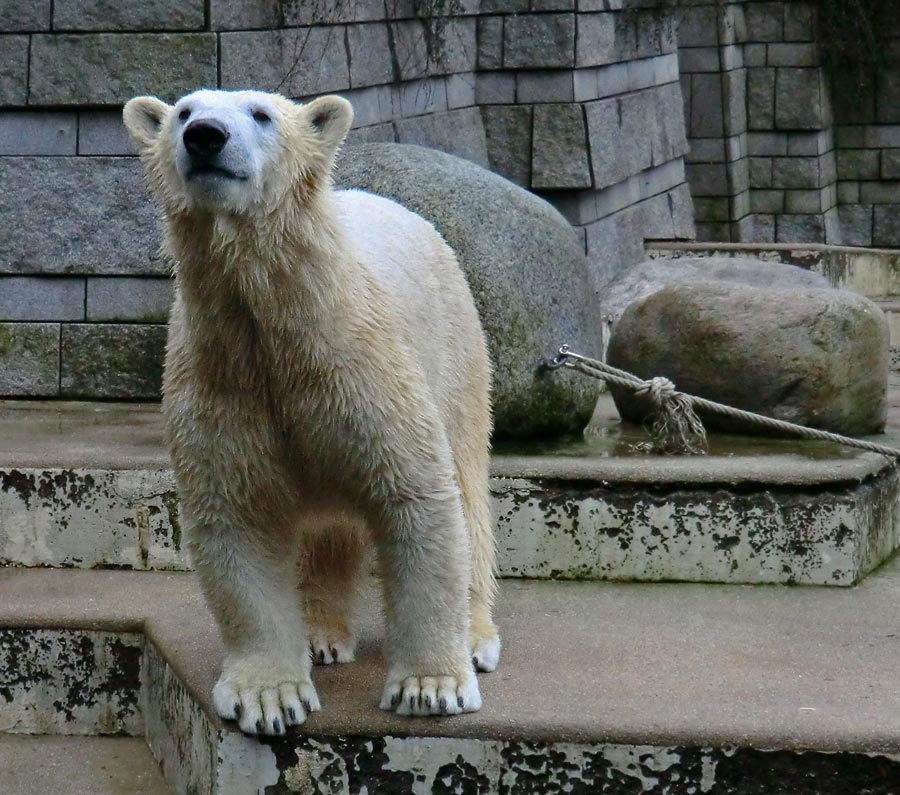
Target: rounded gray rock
(809, 356)
(526, 267)
(653, 275)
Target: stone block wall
(585, 109)
(783, 150)
(579, 102)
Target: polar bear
(326, 391)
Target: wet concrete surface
(84, 435)
(767, 667)
(47, 434)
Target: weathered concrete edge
(782, 247)
(782, 471)
(548, 736)
(198, 756)
(169, 598)
(76, 681)
(549, 529)
(779, 471)
(129, 518)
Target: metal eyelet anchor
(560, 360)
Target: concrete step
(603, 688)
(47, 765)
(872, 272)
(89, 485)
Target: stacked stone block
(791, 140)
(867, 134)
(84, 337)
(585, 109)
(762, 165)
(581, 104)
(783, 150)
(714, 86)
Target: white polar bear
(326, 383)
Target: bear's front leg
(249, 583)
(425, 560)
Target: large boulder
(809, 356)
(653, 275)
(526, 267)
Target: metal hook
(561, 359)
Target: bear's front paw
(431, 695)
(265, 697)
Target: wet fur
(326, 391)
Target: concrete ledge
(710, 684)
(87, 485)
(872, 272)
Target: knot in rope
(658, 389)
(673, 423)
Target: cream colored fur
(326, 392)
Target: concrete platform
(89, 485)
(609, 687)
(872, 272)
(78, 766)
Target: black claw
(459, 701)
(260, 725)
(428, 701)
(395, 699)
(412, 701)
(276, 726)
(333, 654)
(443, 704)
(322, 656)
(292, 714)
(475, 661)
(237, 711)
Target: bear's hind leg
(471, 445)
(331, 569)
(266, 682)
(484, 639)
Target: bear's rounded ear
(330, 117)
(143, 117)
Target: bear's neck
(291, 264)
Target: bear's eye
(185, 114)
(261, 116)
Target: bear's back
(420, 273)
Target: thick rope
(675, 426)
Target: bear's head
(238, 152)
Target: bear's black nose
(205, 137)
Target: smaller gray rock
(813, 357)
(655, 274)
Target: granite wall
(783, 149)
(580, 103)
